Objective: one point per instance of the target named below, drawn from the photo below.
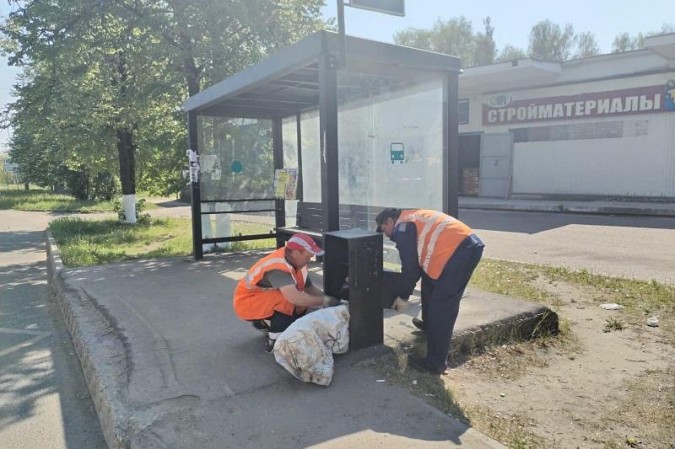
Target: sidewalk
(169, 365)
(604, 207)
(664, 209)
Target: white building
(597, 127)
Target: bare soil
(601, 388)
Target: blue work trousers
(441, 298)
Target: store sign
(502, 110)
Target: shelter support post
(328, 124)
(195, 190)
(450, 145)
(298, 136)
(278, 161)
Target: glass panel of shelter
(236, 175)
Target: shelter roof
(287, 82)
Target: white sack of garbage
(306, 348)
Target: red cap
(303, 241)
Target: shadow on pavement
(21, 241)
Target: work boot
(422, 365)
(419, 324)
(271, 340)
(262, 325)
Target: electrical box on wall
(352, 268)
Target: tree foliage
(625, 42)
(103, 81)
(587, 45)
(510, 53)
(453, 37)
(547, 41)
(550, 42)
(486, 48)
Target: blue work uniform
(440, 297)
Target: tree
(101, 86)
(486, 49)
(587, 45)
(453, 37)
(108, 78)
(511, 53)
(624, 42)
(548, 42)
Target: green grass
(511, 279)
(46, 201)
(96, 242)
(638, 297)
(43, 200)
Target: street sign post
(393, 7)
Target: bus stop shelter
(375, 129)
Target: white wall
(637, 165)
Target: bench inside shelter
(310, 220)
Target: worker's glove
(400, 305)
(329, 301)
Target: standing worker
(277, 290)
(443, 251)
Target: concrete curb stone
(107, 387)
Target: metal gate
(495, 165)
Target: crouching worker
(442, 251)
(277, 290)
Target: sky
(511, 19)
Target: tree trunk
(191, 72)
(126, 154)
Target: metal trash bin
(356, 255)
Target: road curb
(573, 208)
(524, 326)
(97, 343)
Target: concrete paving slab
(484, 319)
(169, 365)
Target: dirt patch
(601, 388)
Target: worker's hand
(329, 301)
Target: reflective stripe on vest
(438, 235)
(275, 261)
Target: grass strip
(96, 242)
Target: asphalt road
(44, 401)
(626, 246)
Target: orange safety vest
(252, 302)
(438, 236)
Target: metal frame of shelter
(304, 77)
